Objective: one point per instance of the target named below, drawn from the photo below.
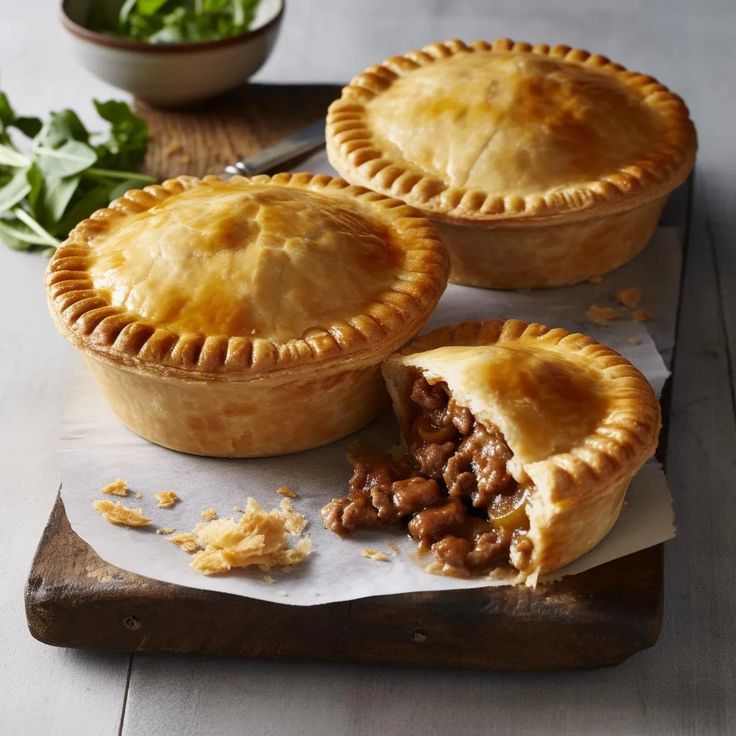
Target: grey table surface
(684, 685)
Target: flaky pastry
(541, 165)
(577, 417)
(519, 443)
(246, 317)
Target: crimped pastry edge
(116, 336)
(354, 153)
(612, 448)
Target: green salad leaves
(61, 176)
(174, 21)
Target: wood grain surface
(205, 140)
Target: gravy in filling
(452, 488)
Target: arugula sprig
(174, 21)
(62, 176)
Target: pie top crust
(578, 417)
(505, 131)
(246, 276)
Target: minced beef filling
(452, 487)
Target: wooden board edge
(505, 626)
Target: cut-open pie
(519, 444)
(246, 317)
(541, 165)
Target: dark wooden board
(204, 141)
(74, 599)
(600, 617)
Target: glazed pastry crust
(246, 318)
(579, 418)
(589, 165)
(91, 314)
(535, 257)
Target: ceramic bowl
(175, 74)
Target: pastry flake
(166, 499)
(210, 297)
(641, 315)
(516, 438)
(173, 147)
(186, 541)
(373, 554)
(286, 492)
(540, 165)
(629, 297)
(258, 538)
(208, 513)
(118, 513)
(601, 315)
(118, 487)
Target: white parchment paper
(96, 449)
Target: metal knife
(303, 141)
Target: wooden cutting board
(74, 599)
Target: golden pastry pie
(541, 166)
(520, 442)
(246, 317)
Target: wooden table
(682, 686)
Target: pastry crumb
(393, 548)
(373, 554)
(295, 522)
(628, 297)
(642, 315)
(138, 496)
(117, 488)
(601, 315)
(286, 491)
(595, 280)
(208, 514)
(283, 593)
(186, 541)
(166, 499)
(259, 538)
(118, 513)
(268, 579)
(173, 147)
(165, 530)
(634, 341)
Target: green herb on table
(61, 176)
(174, 21)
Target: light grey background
(684, 685)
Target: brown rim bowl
(173, 74)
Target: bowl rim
(129, 44)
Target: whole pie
(541, 165)
(246, 317)
(519, 444)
